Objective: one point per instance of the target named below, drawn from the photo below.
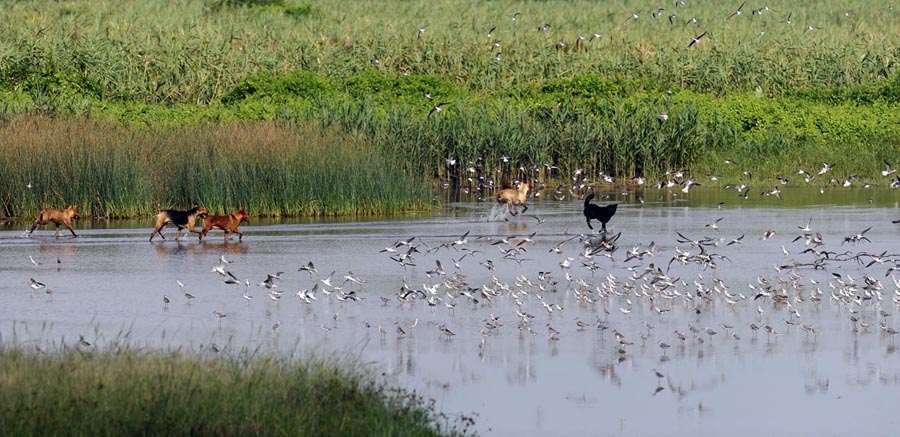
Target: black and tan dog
(597, 212)
(181, 219)
(56, 216)
(227, 223)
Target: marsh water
(826, 365)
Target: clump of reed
(125, 391)
(271, 169)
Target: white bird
(327, 281)
(309, 267)
(462, 240)
(356, 280)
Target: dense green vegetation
(773, 89)
(129, 392)
(270, 169)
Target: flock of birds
(674, 17)
(677, 16)
(583, 272)
(666, 295)
(477, 180)
(626, 293)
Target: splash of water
(499, 213)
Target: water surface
(108, 287)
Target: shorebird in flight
(35, 285)
(788, 19)
(309, 267)
(737, 12)
(437, 108)
(696, 39)
(888, 169)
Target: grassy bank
(197, 52)
(156, 393)
(773, 89)
(271, 169)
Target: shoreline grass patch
(131, 392)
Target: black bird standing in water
(597, 212)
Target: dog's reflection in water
(513, 228)
(227, 247)
(179, 248)
(194, 248)
(602, 242)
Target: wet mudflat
(557, 343)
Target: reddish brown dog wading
(227, 223)
(56, 216)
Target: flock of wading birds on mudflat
(795, 286)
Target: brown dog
(57, 216)
(181, 219)
(227, 223)
(512, 197)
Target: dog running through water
(597, 212)
(181, 219)
(512, 197)
(227, 223)
(56, 216)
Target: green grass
(132, 392)
(756, 89)
(270, 169)
(196, 52)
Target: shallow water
(108, 286)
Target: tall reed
(271, 169)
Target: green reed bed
(572, 125)
(131, 392)
(768, 93)
(271, 169)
